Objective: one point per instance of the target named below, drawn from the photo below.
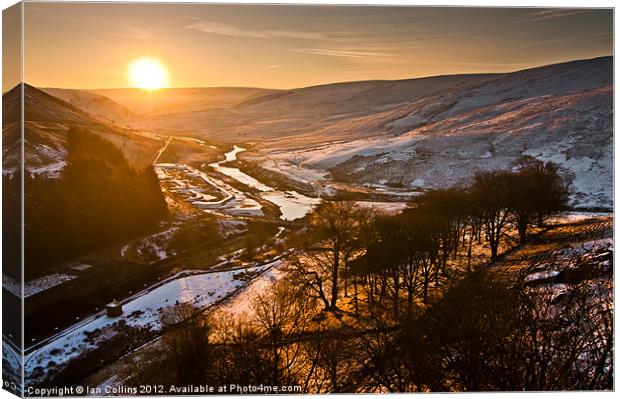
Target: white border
(472, 3)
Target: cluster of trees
(485, 334)
(257, 235)
(526, 195)
(99, 199)
(383, 256)
(482, 335)
(221, 351)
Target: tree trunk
(355, 296)
(409, 302)
(334, 298)
(396, 292)
(493, 238)
(471, 240)
(276, 360)
(493, 245)
(522, 228)
(346, 272)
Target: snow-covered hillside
(47, 121)
(572, 130)
(561, 113)
(428, 132)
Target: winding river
(292, 204)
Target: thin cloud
(224, 29)
(297, 35)
(274, 66)
(544, 15)
(343, 53)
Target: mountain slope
(87, 184)
(97, 199)
(561, 113)
(416, 133)
(47, 120)
(573, 130)
(297, 112)
(346, 111)
(93, 103)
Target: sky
(91, 46)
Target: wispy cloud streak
(224, 29)
(343, 53)
(544, 15)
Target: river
(292, 204)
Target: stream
(292, 204)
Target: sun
(148, 74)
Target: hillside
(93, 103)
(572, 130)
(562, 113)
(80, 173)
(371, 108)
(96, 199)
(47, 120)
(298, 113)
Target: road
(162, 149)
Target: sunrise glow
(148, 74)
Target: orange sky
(91, 45)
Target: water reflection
(292, 204)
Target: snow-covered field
(575, 216)
(194, 186)
(35, 286)
(585, 259)
(242, 304)
(41, 160)
(51, 170)
(199, 289)
(150, 249)
(299, 172)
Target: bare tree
(186, 343)
(331, 361)
(282, 316)
(334, 222)
(492, 195)
(313, 269)
(536, 190)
